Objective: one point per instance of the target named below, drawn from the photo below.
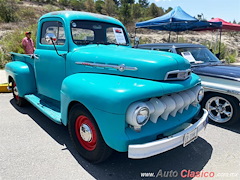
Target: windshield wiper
(109, 43)
(83, 42)
(118, 44)
(102, 42)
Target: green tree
(117, 2)
(99, 5)
(90, 6)
(155, 11)
(8, 10)
(109, 8)
(168, 10)
(143, 3)
(136, 11)
(127, 2)
(125, 11)
(64, 2)
(77, 5)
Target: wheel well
(208, 93)
(10, 79)
(74, 103)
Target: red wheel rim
(14, 91)
(89, 143)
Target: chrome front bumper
(138, 151)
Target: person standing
(28, 44)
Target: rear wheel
(222, 108)
(86, 135)
(19, 100)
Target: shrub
(12, 43)
(8, 10)
(3, 59)
(231, 57)
(225, 53)
(27, 14)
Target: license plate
(190, 137)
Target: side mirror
(218, 55)
(136, 41)
(50, 37)
(130, 35)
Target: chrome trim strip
(121, 67)
(216, 76)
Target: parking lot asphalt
(34, 147)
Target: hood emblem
(120, 68)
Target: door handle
(34, 56)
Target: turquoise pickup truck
(84, 74)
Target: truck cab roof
(80, 15)
(175, 45)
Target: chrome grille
(172, 104)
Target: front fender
(23, 75)
(108, 97)
(114, 94)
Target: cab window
(162, 49)
(54, 28)
(93, 32)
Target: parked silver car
(221, 82)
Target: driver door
(49, 66)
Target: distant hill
(25, 15)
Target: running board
(48, 110)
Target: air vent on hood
(178, 75)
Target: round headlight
(200, 94)
(138, 115)
(142, 115)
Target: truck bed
(22, 57)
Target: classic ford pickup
(84, 74)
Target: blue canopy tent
(177, 20)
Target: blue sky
(228, 10)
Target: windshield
(93, 32)
(197, 54)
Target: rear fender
(22, 73)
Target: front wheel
(222, 108)
(86, 135)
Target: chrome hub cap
(220, 109)
(15, 90)
(85, 132)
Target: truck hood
(220, 71)
(126, 61)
